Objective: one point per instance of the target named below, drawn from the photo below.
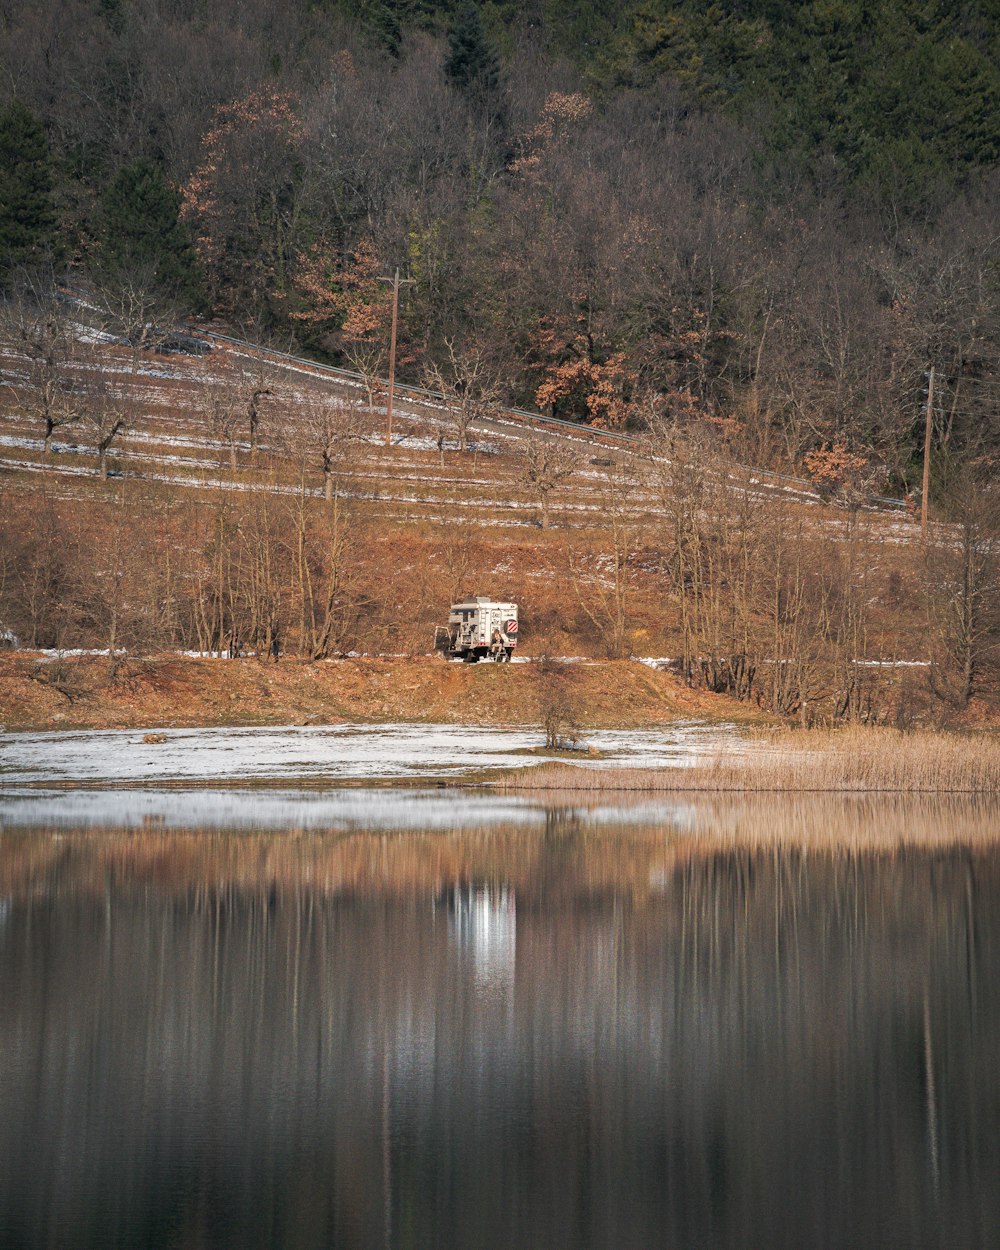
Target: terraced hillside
(257, 499)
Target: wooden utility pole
(396, 284)
(928, 429)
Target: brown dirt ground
(80, 692)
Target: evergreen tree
(27, 210)
(383, 26)
(141, 231)
(471, 64)
(900, 95)
(381, 23)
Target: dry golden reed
(860, 760)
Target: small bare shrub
(63, 677)
(558, 706)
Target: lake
(374, 1018)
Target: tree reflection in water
(718, 1032)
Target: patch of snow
(10, 440)
(339, 752)
(184, 440)
(891, 663)
(90, 334)
(55, 653)
(29, 466)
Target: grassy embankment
(859, 760)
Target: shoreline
(39, 693)
(682, 757)
(42, 692)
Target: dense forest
(768, 218)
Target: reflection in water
(572, 1035)
(484, 928)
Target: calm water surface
(368, 1025)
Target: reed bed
(834, 823)
(859, 760)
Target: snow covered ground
(334, 753)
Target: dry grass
(832, 823)
(856, 760)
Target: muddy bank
(43, 692)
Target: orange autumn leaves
(345, 294)
(603, 391)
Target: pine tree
(471, 64)
(140, 230)
(27, 210)
(381, 23)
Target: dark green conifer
(27, 209)
(141, 231)
(382, 25)
(471, 64)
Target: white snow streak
(340, 752)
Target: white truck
(479, 629)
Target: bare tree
(559, 705)
(796, 591)
(605, 584)
(139, 319)
(682, 463)
(106, 410)
(221, 406)
(329, 432)
(41, 328)
(236, 402)
(469, 383)
(710, 522)
(133, 308)
(545, 463)
(369, 358)
(262, 581)
(255, 384)
(460, 558)
(329, 574)
(38, 556)
(115, 567)
(963, 562)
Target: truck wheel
(470, 657)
